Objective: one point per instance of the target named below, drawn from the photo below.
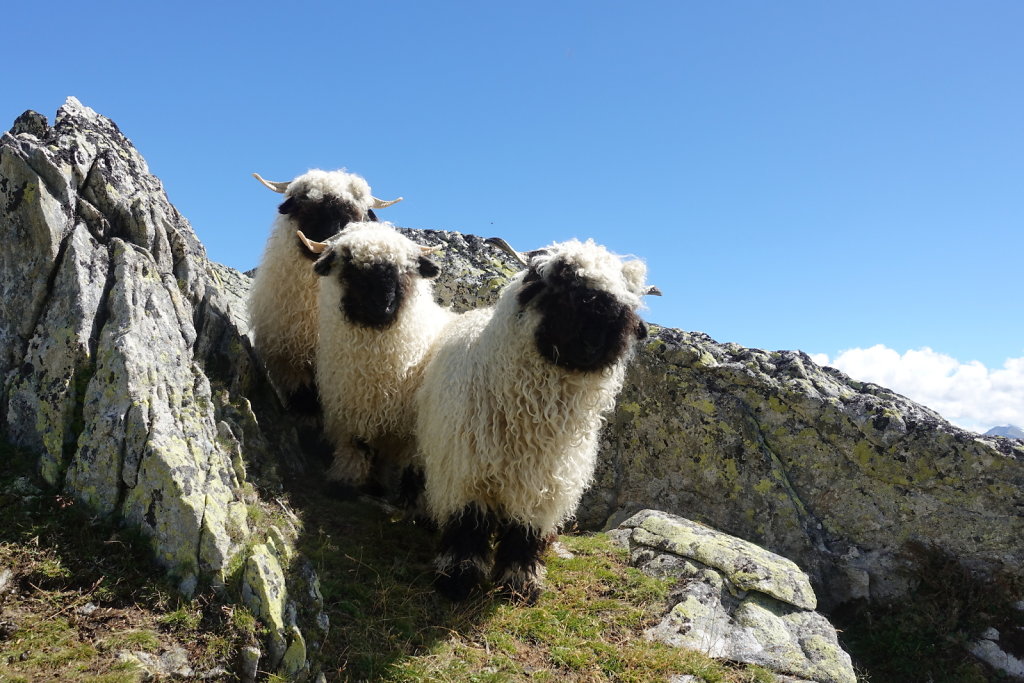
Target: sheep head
(323, 203)
(586, 298)
(374, 268)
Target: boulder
(736, 601)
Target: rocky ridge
(126, 363)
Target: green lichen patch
(746, 565)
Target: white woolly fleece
(367, 377)
(282, 301)
(282, 309)
(316, 184)
(498, 424)
(598, 267)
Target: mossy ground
(388, 624)
(82, 591)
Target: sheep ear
(641, 329)
(324, 263)
(428, 268)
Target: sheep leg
(351, 464)
(518, 568)
(461, 561)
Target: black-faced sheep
(282, 302)
(510, 407)
(377, 320)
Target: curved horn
(382, 204)
(271, 185)
(653, 291)
(315, 247)
(505, 247)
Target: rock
(250, 662)
(171, 664)
(834, 474)
(125, 360)
(264, 593)
(989, 650)
(735, 601)
(746, 566)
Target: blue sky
(798, 175)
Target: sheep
(282, 301)
(510, 408)
(376, 321)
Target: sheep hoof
(526, 592)
(521, 584)
(456, 583)
(527, 595)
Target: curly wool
(316, 184)
(367, 377)
(282, 301)
(499, 425)
(598, 268)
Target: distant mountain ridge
(1010, 431)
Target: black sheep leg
(461, 561)
(517, 565)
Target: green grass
(85, 591)
(388, 624)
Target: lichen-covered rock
(834, 474)
(746, 566)
(735, 601)
(125, 360)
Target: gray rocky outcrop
(125, 362)
(736, 601)
(834, 474)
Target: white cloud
(967, 394)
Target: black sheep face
(372, 293)
(581, 327)
(322, 218)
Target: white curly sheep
(282, 301)
(376, 321)
(512, 401)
